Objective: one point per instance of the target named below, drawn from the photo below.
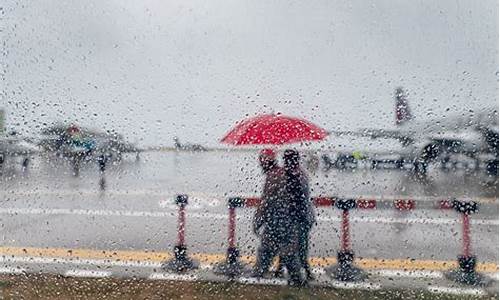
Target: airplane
(82, 144)
(13, 146)
(473, 134)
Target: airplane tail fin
(2, 121)
(177, 143)
(403, 113)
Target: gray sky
(154, 69)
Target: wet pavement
(232, 173)
(48, 207)
(117, 265)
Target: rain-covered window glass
(249, 149)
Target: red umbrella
(275, 130)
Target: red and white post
(466, 272)
(181, 262)
(232, 266)
(345, 270)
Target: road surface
(48, 208)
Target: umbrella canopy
(273, 129)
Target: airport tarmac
(47, 207)
(233, 173)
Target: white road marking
(493, 276)
(193, 277)
(195, 203)
(215, 199)
(89, 262)
(111, 193)
(218, 216)
(266, 281)
(413, 220)
(206, 266)
(205, 200)
(7, 270)
(318, 271)
(77, 261)
(169, 204)
(354, 285)
(86, 192)
(87, 273)
(149, 264)
(456, 291)
(411, 274)
(171, 276)
(105, 213)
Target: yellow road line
(153, 256)
(123, 255)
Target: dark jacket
(298, 194)
(272, 218)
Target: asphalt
(48, 207)
(222, 173)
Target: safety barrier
(232, 266)
(369, 203)
(466, 271)
(344, 269)
(181, 261)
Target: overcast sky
(154, 69)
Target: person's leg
(280, 269)
(304, 252)
(289, 254)
(291, 262)
(265, 254)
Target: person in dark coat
(272, 183)
(272, 223)
(302, 211)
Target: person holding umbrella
(284, 233)
(273, 177)
(272, 223)
(297, 194)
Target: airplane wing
(376, 134)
